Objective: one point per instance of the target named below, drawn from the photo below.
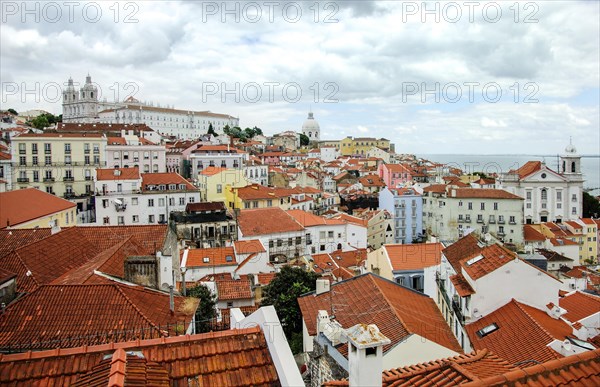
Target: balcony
(512, 222)
(88, 178)
(501, 234)
(467, 220)
(492, 221)
(461, 220)
(458, 312)
(69, 195)
(69, 178)
(23, 180)
(501, 221)
(120, 207)
(479, 220)
(48, 180)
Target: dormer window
(161, 187)
(206, 259)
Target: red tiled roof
(414, 256)
(463, 288)
(249, 246)
(371, 181)
(13, 239)
(51, 135)
(465, 247)
(23, 205)
(58, 316)
(266, 221)
(217, 256)
(99, 127)
(165, 178)
(527, 169)
(581, 369)
(579, 305)
(149, 238)
(369, 299)
(4, 156)
(210, 171)
(523, 333)
(531, 234)
(118, 174)
(494, 257)
(484, 193)
(42, 262)
(436, 188)
(234, 289)
(205, 206)
(448, 372)
(308, 219)
(233, 357)
(265, 278)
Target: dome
(571, 148)
(310, 124)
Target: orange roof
(249, 246)
(369, 299)
(63, 135)
(448, 372)
(165, 178)
(217, 256)
(397, 168)
(436, 188)
(266, 221)
(494, 257)
(465, 247)
(234, 289)
(257, 191)
(59, 316)
(13, 239)
(371, 181)
(523, 333)
(579, 305)
(463, 288)
(531, 234)
(24, 205)
(212, 359)
(528, 168)
(591, 222)
(118, 174)
(485, 193)
(308, 219)
(351, 219)
(414, 256)
(265, 278)
(211, 171)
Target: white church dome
(570, 148)
(310, 124)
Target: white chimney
(580, 331)
(322, 286)
(553, 311)
(365, 355)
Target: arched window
(544, 194)
(573, 167)
(564, 169)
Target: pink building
(394, 175)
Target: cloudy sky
(450, 77)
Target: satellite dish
(118, 201)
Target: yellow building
(61, 164)
(589, 248)
(213, 183)
(32, 208)
(258, 196)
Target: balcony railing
(71, 178)
(48, 180)
(23, 180)
(458, 312)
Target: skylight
(474, 260)
(487, 330)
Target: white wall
(414, 349)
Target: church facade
(84, 106)
(549, 196)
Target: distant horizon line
(503, 154)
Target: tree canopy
(591, 206)
(283, 293)
(206, 312)
(211, 130)
(13, 111)
(304, 140)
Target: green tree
(257, 131)
(40, 122)
(206, 312)
(283, 293)
(304, 140)
(13, 111)
(211, 130)
(591, 206)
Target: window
(219, 188)
(47, 148)
(86, 148)
(135, 219)
(191, 199)
(544, 194)
(96, 160)
(22, 148)
(470, 205)
(120, 220)
(67, 149)
(48, 160)
(322, 234)
(96, 148)
(528, 195)
(279, 242)
(574, 198)
(36, 176)
(511, 220)
(150, 218)
(116, 155)
(330, 234)
(181, 201)
(34, 160)
(487, 330)
(68, 160)
(161, 202)
(269, 203)
(482, 206)
(558, 196)
(150, 202)
(106, 220)
(86, 160)
(34, 149)
(161, 218)
(134, 201)
(298, 240)
(22, 160)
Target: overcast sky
(458, 77)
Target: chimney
(580, 331)
(322, 286)
(365, 355)
(553, 311)
(172, 300)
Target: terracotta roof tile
(117, 174)
(485, 193)
(211, 171)
(13, 239)
(234, 289)
(217, 256)
(463, 288)
(579, 305)
(308, 219)
(58, 316)
(531, 234)
(265, 278)
(414, 256)
(523, 333)
(249, 246)
(150, 238)
(234, 357)
(494, 257)
(369, 299)
(165, 178)
(24, 205)
(465, 247)
(266, 221)
(527, 169)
